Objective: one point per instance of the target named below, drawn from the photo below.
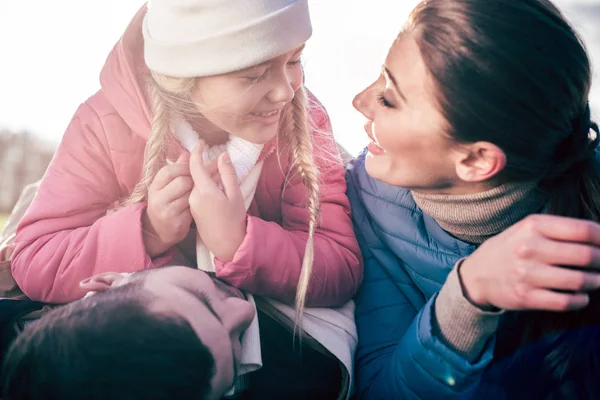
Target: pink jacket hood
(123, 78)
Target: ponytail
(566, 346)
(573, 186)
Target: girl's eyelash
(260, 78)
(383, 101)
(263, 76)
(257, 78)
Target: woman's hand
(543, 262)
(220, 214)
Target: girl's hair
(515, 73)
(172, 98)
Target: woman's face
(408, 146)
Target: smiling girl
(202, 139)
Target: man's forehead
(181, 276)
(160, 273)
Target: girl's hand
(543, 262)
(220, 215)
(167, 218)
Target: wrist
(152, 241)
(233, 244)
(472, 286)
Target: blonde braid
(156, 151)
(301, 150)
(169, 97)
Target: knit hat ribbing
(192, 38)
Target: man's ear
(479, 162)
(102, 282)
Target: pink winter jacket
(68, 233)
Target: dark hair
(109, 346)
(515, 73)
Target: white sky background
(52, 53)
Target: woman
(480, 118)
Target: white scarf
(244, 156)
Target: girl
(480, 118)
(122, 191)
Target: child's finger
(179, 205)
(216, 177)
(199, 173)
(169, 173)
(179, 187)
(212, 167)
(184, 158)
(229, 178)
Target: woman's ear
(102, 282)
(480, 162)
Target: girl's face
(249, 103)
(408, 146)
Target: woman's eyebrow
(390, 77)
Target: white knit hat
(189, 38)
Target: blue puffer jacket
(407, 258)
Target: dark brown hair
(110, 346)
(516, 74)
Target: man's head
(162, 334)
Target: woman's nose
(361, 103)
